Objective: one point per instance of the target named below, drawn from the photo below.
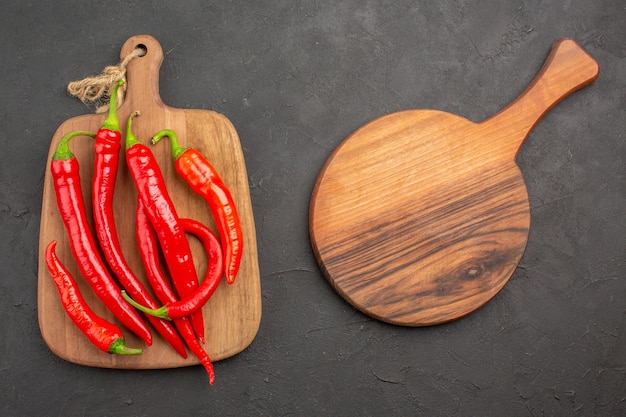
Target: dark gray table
(295, 78)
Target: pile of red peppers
(179, 318)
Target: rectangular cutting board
(232, 315)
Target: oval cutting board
(420, 217)
(232, 316)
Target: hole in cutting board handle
(144, 48)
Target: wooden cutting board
(420, 217)
(232, 316)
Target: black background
(296, 77)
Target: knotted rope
(97, 89)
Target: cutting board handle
(142, 73)
(567, 69)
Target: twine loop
(96, 90)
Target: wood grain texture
(232, 316)
(420, 217)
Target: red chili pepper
(66, 178)
(202, 177)
(197, 299)
(108, 143)
(153, 194)
(148, 247)
(104, 335)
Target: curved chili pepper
(197, 299)
(148, 248)
(104, 335)
(202, 177)
(107, 147)
(153, 194)
(66, 179)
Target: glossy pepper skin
(202, 177)
(197, 299)
(66, 179)
(104, 335)
(148, 248)
(107, 149)
(152, 192)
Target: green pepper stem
(119, 347)
(112, 122)
(177, 150)
(63, 151)
(160, 312)
(131, 139)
